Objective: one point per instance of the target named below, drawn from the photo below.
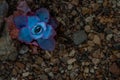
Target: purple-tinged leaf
(20, 21)
(48, 32)
(43, 14)
(47, 44)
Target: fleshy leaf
(32, 21)
(43, 14)
(24, 35)
(20, 21)
(47, 44)
(48, 32)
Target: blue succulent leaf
(32, 21)
(48, 32)
(24, 35)
(20, 21)
(43, 14)
(47, 44)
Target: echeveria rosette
(38, 27)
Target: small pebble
(73, 13)
(51, 74)
(89, 19)
(43, 77)
(47, 70)
(25, 74)
(73, 75)
(70, 6)
(39, 60)
(116, 46)
(75, 2)
(87, 28)
(83, 63)
(109, 36)
(115, 69)
(62, 71)
(96, 39)
(13, 78)
(24, 49)
(3, 8)
(117, 54)
(95, 61)
(86, 70)
(118, 3)
(90, 43)
(92, 70)
(99, 1)
(70, 61)
(72, 53)
(70, 67)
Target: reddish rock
(98, 54)
(113, 58)
(114, 69)
(20, 65)
(97, 40)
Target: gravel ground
(87, 43)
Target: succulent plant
(37, 28)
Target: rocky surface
(87, 48)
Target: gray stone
(100, 1)
(70, 67)
(95, 61)
(87, 28)
(70, 61)
(109, 37)
(73, 75)
(79, 37)
(43, 77)
(114, 2)
(51, 74)
(6, 47)
(3, 11)
(25, 74)
(3, 7)
(12, 56)
(1, 78)
(116, 46)
(86, 70)
(24, 49)
(72, 53)
(70, 6)
(89, 19)
(13, 78)
(92, 70)
(118, 3)
(47, 70)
